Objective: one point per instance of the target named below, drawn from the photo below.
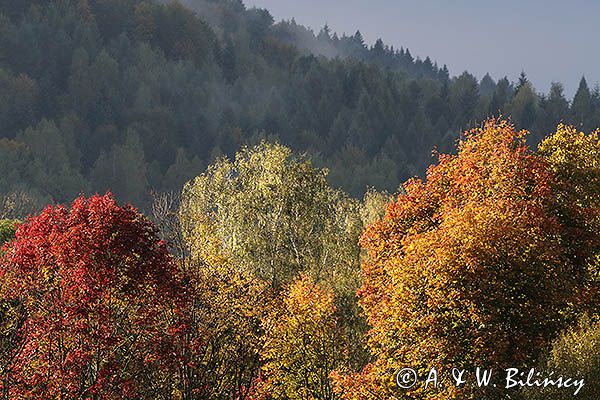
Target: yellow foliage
(275, 216)
(575, 354)
(303, 344)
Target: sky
(548, 39)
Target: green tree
(464, 96)
(18, 102)
(581, 109)
(501, 96)
(54, 166)
(522, 82)
(487, 86)
(181, 171)
(556, 108)
(228, 61)
(524, 107)
(7, 230)
(574, 354)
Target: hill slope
(138, 95)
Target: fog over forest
(548, 39)
(140, 96)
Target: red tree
(99, 292)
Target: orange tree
(474, 266)
(98, 291)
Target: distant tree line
(138, 96)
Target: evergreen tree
(122, 170)
(54, 165)
(523, 81)
(556, 108)
(444, 73)
(487, 86)
(581, 109)
(358, 37)
(209, 76)
(228, 61)
(500, 97)
(524, 107)
(464, 97)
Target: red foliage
(99, 290)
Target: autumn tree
(303, 344)
(270, 216)
(573, 354)
(99, 292)
(220, 349)
(373, 206)
(574, 158)
(223, 336)
(470, 267)
(274, 215)
(11, 315)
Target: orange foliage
(468, 268)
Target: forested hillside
(139, 96)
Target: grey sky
(550, 40)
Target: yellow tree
(273, 215)
(303, 344)
(574, 157)
(269, 216)
(224, 334)
(573, 354)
